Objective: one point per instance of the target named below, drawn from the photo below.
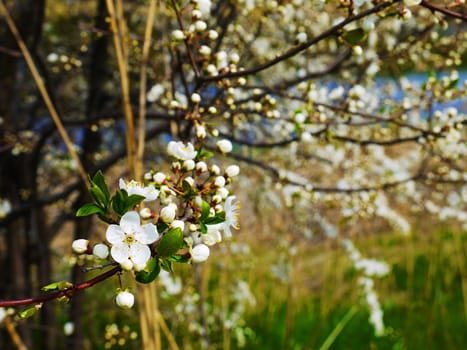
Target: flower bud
(127, 265)
(232, 170)
(190, 181)
(200, 253)
(146, 213)
(178, 224)
(201, 167)
(195, 98)
(200, 26)
(159, 178)
(189, 164)
(80, 246)
(215, 170)
(178, 35)
(125, 300)
(168, 213)
(101, 251)
(225, 146)
(219, 181)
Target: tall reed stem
(43, 91)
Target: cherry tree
(350, 112)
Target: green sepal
(354, 36)
(170, 243)
(150, 272)
(188, 190)
(167, 265)
(89, 209)
(61, 285)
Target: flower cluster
(370, 269)
(185, 212)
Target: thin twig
(61, 293)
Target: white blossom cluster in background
(5, 207)
(185, 213)
(369, 270)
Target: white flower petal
(122, 184)
(150, 193)
(114, 234)
(140, 254)
(130, 222)
(120, 252)
(147, 235)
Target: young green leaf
(98, 196)
(121, 202)
(170, 243)
(29, 311)
(61, 285)
(205, 210)
(150, 272)
(89, 209)
(99, 181)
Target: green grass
(422, 300)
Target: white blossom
(125, 300)
(130, 240)
(134, 187)
(181, 151)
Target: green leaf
(121, 202)
(62, 285)
(98, 196)
(29, 311)
(99, 181)
(150, 272)
(89, 209)
(354, 36)
(180, 258)
(205, 210)
(217, 219)
(203, 227)
(133, 200)
(161, 227)
(170, 243)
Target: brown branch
(61, 293)
(444, 10)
